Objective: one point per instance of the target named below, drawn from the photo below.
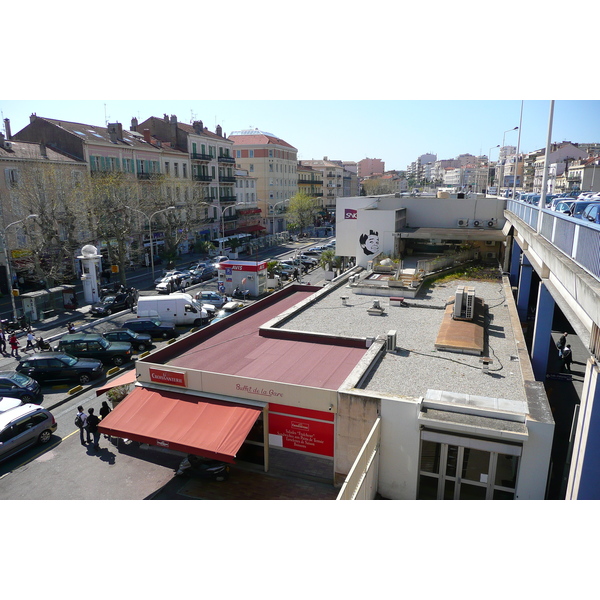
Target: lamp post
(149, 217)
(490, 160)
(273, 209)
(501, 181)
(8, 272)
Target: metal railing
(576, 238)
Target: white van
(178, 308)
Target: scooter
(241, 294)
(203, 467)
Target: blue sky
(396, 131)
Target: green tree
(302, 210)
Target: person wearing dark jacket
(92, 427)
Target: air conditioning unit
(490, 243)
(491, 223)
(490, 255)
(463, 223)
(7, 145)
(390, 344)
(464, 303)
(476, 223)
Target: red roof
(241, 350)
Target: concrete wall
(400, 448)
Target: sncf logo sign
(350, 213)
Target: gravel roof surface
(417, 366)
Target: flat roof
(241, 350)
(417, 366)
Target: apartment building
(368, 167)
(310, 182)
(272, 161)
(559, 154)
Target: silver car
(24, 426)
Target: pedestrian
(30, 340)
(81, 421)
(296, 274)
(567, 357)
(104, 409)
(14, 345)
(2, 341)
(92, 427)
(562, 342)
(70, 328)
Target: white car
(9, 403)
(169, 283)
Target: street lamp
(273, 209)
(8, 273)
(222, 213)
(501, 181)
(149, 217)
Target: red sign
(350, 213)
(168, 377)
(302, 434)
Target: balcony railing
(226, 179)
(227, 159)
(147, 176)
(205, 178)
(228, 199)
(202, 156)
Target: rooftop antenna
(105, 115)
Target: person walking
(30, 340)
(81, 422)
(92, 427)
(567, 357)
(2, 341)
(562, 342)
(14, 345)
(70, 328)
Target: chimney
(134, 124)
(7, 127)
(219, 131)
(1, 140)
(173, 119)
(147, 137)
(115, 131)
(166, 117)
(198, 126)
(32, 117)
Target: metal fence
(576, 238)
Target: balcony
(204, 178)
(147, 176)
(228, 199)
(201, 156)
(225, 179)
(227, 159)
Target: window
(167, 168)
(176, 169)
(251, 168)
(250, 153)
(238, 154)
(184, 170)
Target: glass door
(455, 468)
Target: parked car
(15, 385)
(563, 206)
(171, 283)
(112, 304)
(166, 274)
(218, 259)
(592, 213)
(203, 273)
(214, 298)
(228, 309)
(24, 426)
(155, 327)
(95, 345)
(139, 341)
(9, 404)
(578, 207)
(315, 251)
(308, 260)
(59, 366)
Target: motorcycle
(240, 294)
(203, 467)
(12, 326)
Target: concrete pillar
(526, 272)
(515, 263)
(542, 333)
(584, 474)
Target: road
(64, 469)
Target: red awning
(182, 422)
(123, 379)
